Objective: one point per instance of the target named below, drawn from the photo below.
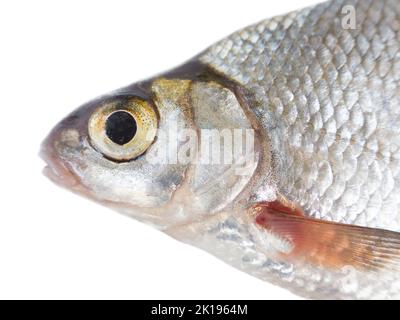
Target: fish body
(301, 189)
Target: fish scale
(331, 97)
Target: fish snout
(56, 169)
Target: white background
(55, 55)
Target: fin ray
(331, 244)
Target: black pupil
(121, 127)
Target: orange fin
(329, 244)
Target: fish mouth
(63, 176)
(60, 176)
(55, 169)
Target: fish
(277, 150)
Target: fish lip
(55, 169)
(63, 179)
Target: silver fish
(306, 195)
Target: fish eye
(123, 129)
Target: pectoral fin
(329, 244)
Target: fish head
(165, 151)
